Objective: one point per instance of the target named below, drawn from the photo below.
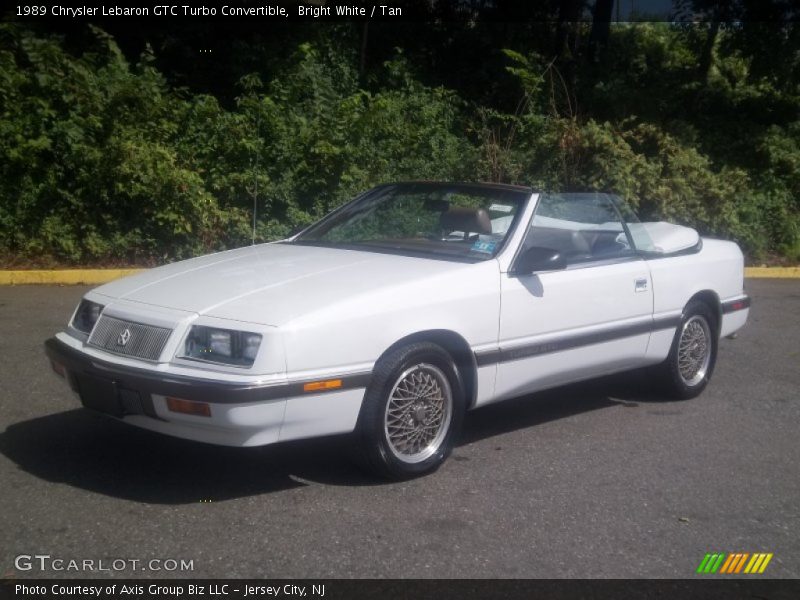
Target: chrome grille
(140, 341)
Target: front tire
(687, 370)
(412, 412)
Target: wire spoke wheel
(418, 413)
(694, 350)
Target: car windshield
(450, 221)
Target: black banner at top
(395, 10)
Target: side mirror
(537, 258)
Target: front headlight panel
(221, 346)
(86, 316)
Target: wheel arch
(457, 347)
(711, 299)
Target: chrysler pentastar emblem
(124, 337)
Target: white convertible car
(397, 313)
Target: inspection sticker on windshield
(484, 247)
(503, 208)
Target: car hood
(271, 283)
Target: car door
(590, 318)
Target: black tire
(421, 364)
(698, 326)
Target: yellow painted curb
(773, 272)
(64, 277)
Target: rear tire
(412, 412)
(688, 368)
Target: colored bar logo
(734, 563)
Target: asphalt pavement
(600, 479)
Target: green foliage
(101, 159)
(89, 169)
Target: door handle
(641, 284)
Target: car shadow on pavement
(92, 452)
(626, 389)
(95, 453)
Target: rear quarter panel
(718, 268)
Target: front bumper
(241, 413)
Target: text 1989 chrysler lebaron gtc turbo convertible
(396, 313)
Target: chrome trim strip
(576, 340)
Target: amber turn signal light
(321, 386)
(188, 407)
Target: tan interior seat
(468, 220)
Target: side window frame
(616, 202)
(628, 255)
